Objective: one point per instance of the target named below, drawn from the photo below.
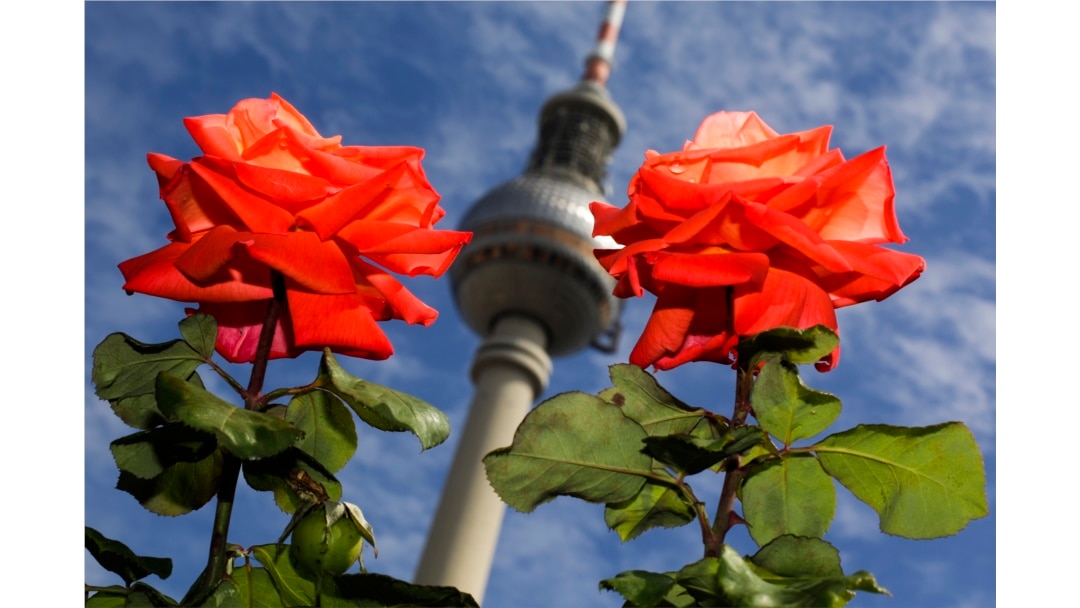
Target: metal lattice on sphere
(532, 247)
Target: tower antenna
(598, 64)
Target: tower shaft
(510, 370)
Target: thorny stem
(725, 510)
(726, 516)
(744, 384)
(266, 339)
(708, 538)
(230, 473)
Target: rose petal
(316, 265)
(876, 273)
(399, 303)
(351, 165)
(732, 130)
(665, 331)
(349, 204)
(194, 207)
(207, 260)
(620, 261)
(286, 115)
(256, 213)
(796, 235)
(785, 299)
(664, 198)
(291, 190)
(240, 329)
(404, 248)
(722, 224)
(166, 167)
(410, 199)
(692, 325)
(156, 274)
(710, 270)
(855, 202)
(213, 135)
(338, 322)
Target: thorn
(735, 519)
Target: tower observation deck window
(575, 139)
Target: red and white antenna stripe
(598, 63)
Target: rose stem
(230, 472)
(726, 516)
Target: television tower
(530, 285)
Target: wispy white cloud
(930, 349)
(551, 554)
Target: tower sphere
(532, 247)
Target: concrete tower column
(510, 370)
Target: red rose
(272, 194)
(746, 230)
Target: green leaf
(139, 595)
(124, 367)
(799, 557)
(724, 581)
(225, 595)
(138, 412)
(787, 408)
(642, 588)
(179, 489)
(113, 596)
(141, 411)
(690, 454)
(378, 590)
(149, 453)
(145, 595)
(573, 444)
(655, 505)
(731, 581)
(248, 588)
(245, 434)
(789, 496)
(797, 346)
(746, 440)
(329, 430)
(924, 482)
(200, 332)
(116, 557)
(382, 407)
(682, 453)
(279, 474)
(644, 401)
(293, 588)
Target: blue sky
(464, 81)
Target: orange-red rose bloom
(271, 194)
(746, 230)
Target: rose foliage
(745, 230)
(286, 240)
(750, 240)
(271, 195)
